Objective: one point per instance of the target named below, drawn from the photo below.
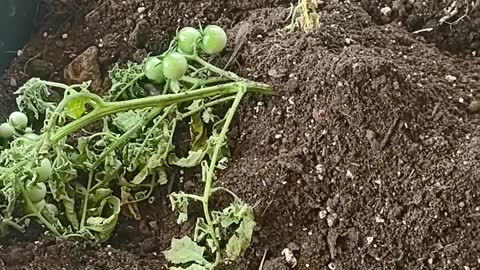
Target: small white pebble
(450, 78)
(331, 219)
(332, 266)
(430, 261)
(65, 36)
(278, 136)
(109, 253)
(369, 240)
(307, 265)
(349, 174)
(289, 257)
(19, 52)
(45, 34)
(379, 220)
(461, 100)
(322, 214)
(386, 11)
(141, 9)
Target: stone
(474, 107)
(83, 68)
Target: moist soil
(368, 158)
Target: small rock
(474, 107)
(322, 214)
(65, 36)
(40, 68)
(386, 11)
(369, 240)
(141, 9)
(370, 135)
(332, 266)
(332, 219)
(275, 264)
(450, 78)
(13, 82)
(139, 35)
(349, 174)
(84, 68)
(277, 73)
(289, 257)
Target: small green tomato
(18, 120)
(51, 208)
(214, 39)
(6, 131)
(37, 193)
(187, 39)
(174, 65)
(153, 70)
(44, 170)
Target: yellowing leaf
(76, 107)
(240, 241)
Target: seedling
(97, 156)
(304, 15)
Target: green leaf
(240, 241)
(191, 267)
(155, 162)
(208, 116)
(193, 159)
(76, 107)
(237, 213)
(33, 97)
(104, 224)
(127, 120)
(180, 204)
(185, 250)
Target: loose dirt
(368, 158)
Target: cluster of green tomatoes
(211, 40)
(17, 125)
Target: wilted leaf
(155, 162)
(33, 97)
(191, 267)
(185, 250)
(240, 241)
(193, 159)
(127, 120)
(105, 222)
(180, 204)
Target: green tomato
(18, 120)
(45, 170)
(40, 205)
(51, 208)
(214, 39)
(174, 66)
(37, 193)
(187, 39)
(153, 70)
(28, 130)
(6, 131)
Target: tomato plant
(76, 183)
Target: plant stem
(211, 169)
(108, 108)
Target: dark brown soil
(368, 158)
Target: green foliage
(97, 157)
